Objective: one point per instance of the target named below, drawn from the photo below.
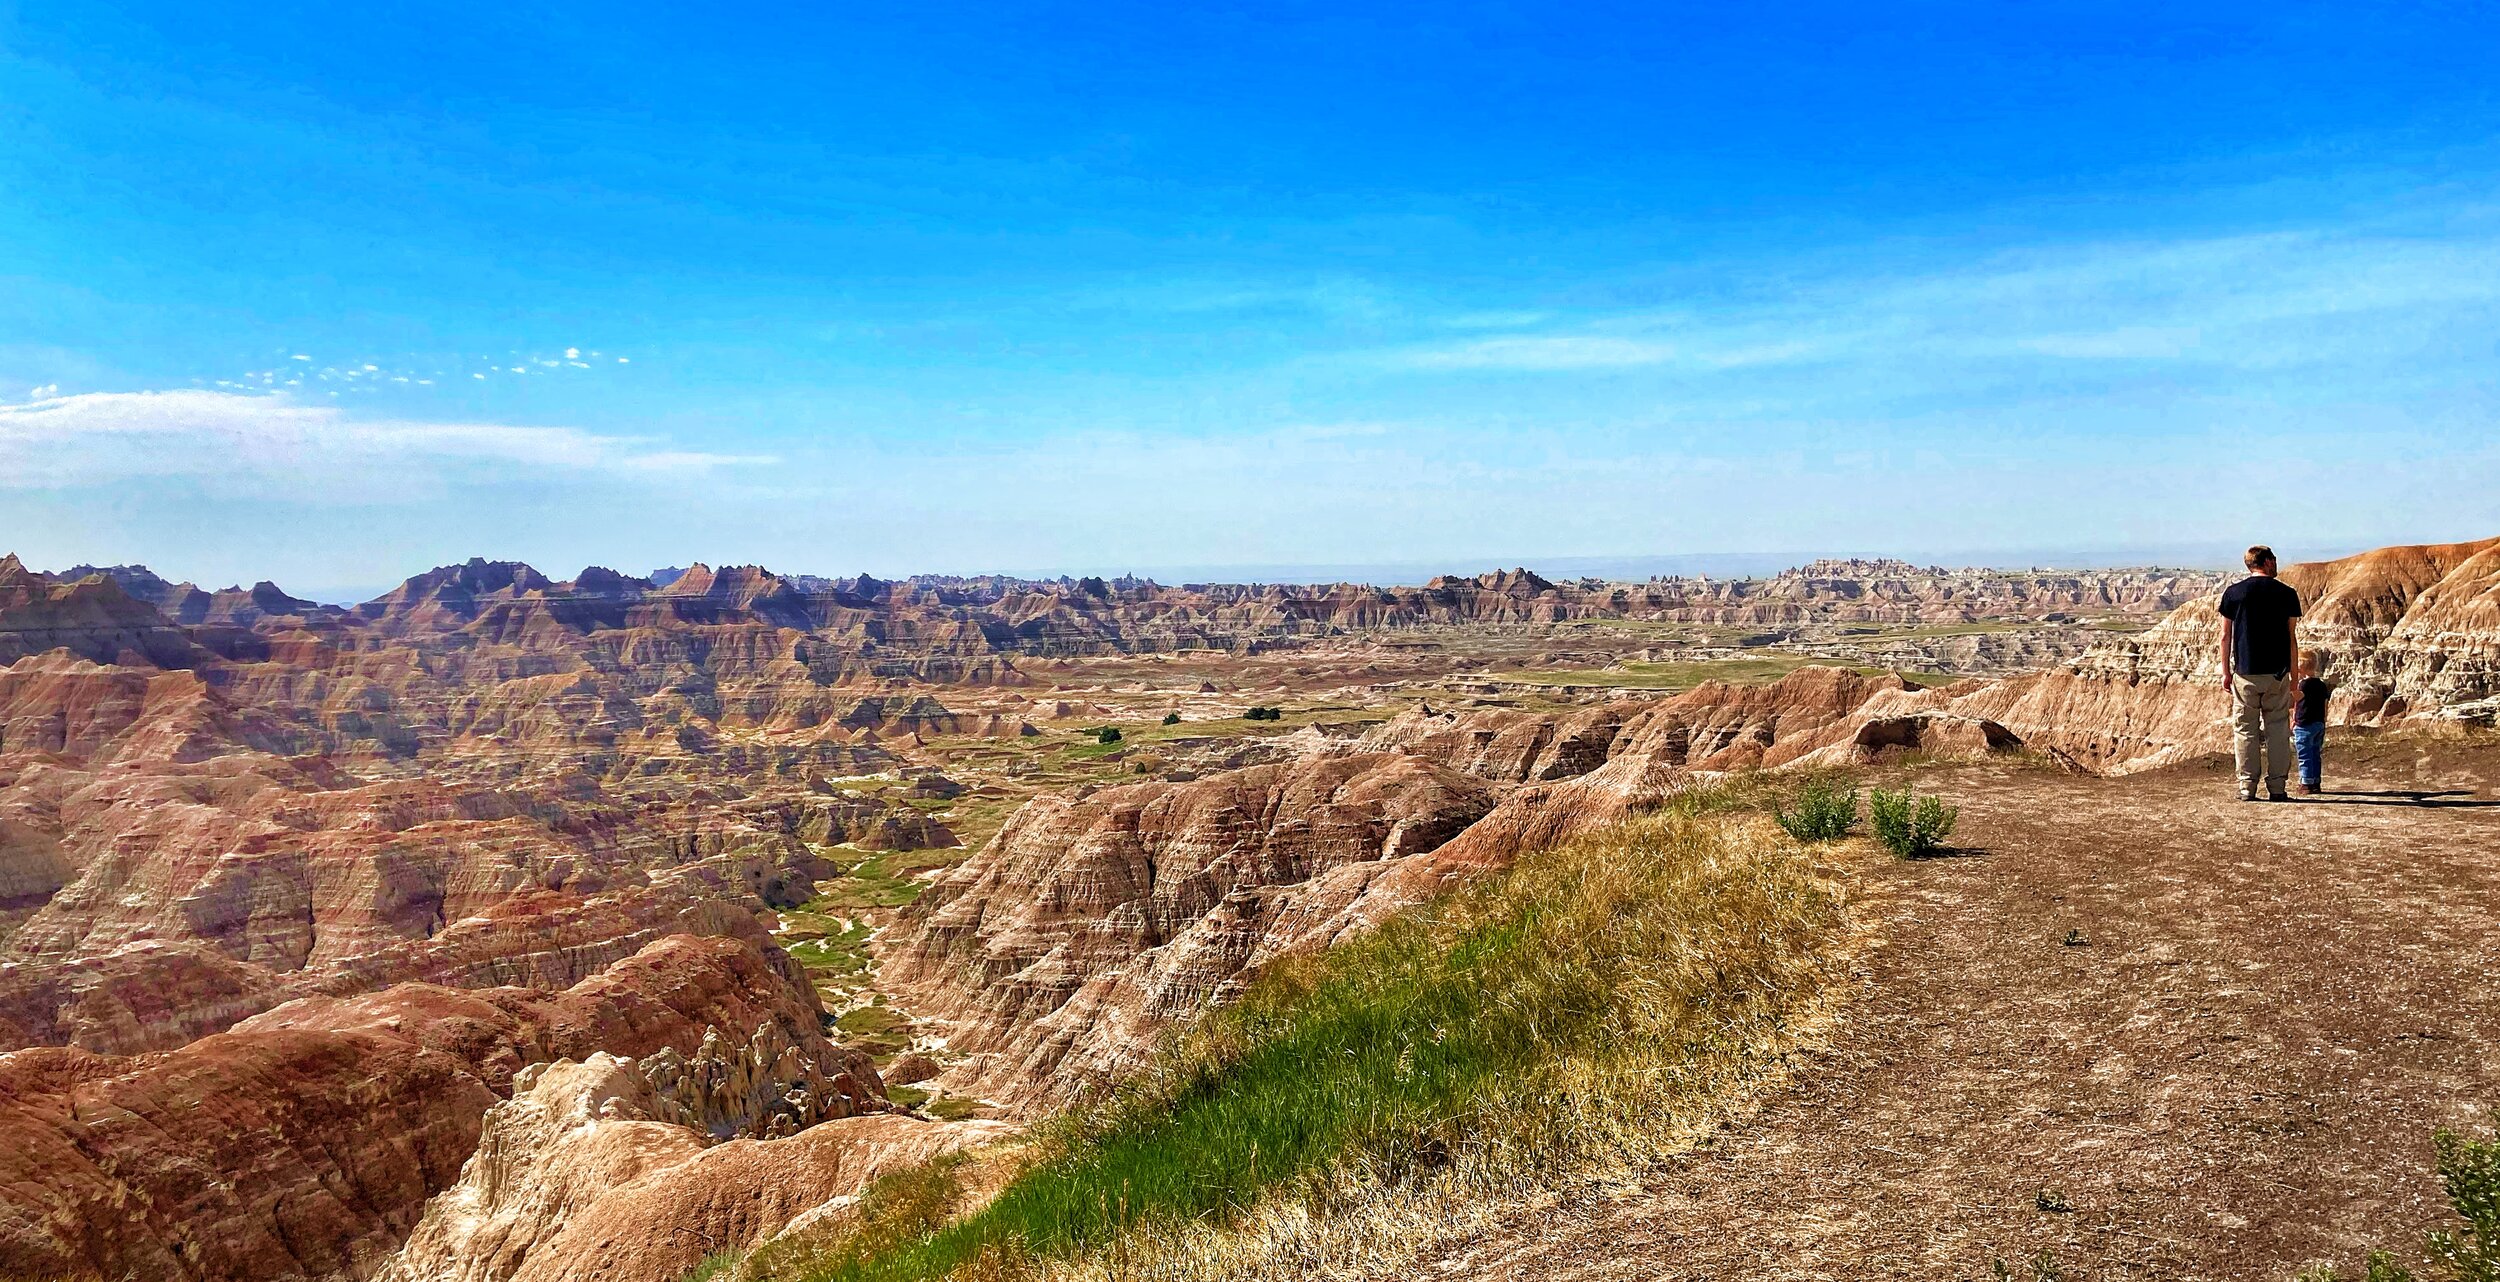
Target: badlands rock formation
(300, 903)
(1054, 957)
(328, 1122)
(1090, 924)
(613, 1170)
(296, 891)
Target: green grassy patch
(837, 959)
(952, 1108)
(880, 879)
(875, 1029)
(1928, 632)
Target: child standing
(2309, 722)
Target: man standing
(2259, 672)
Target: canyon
(504, 927)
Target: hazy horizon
(1733, 565)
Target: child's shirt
(2313, 693)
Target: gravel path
(2140, 1026)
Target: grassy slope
(1586, 1010)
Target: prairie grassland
(1575, 1020)
(1665, 675)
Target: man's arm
(2226, 654)
(2291, 637)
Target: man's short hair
(2258, 554)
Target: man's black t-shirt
(2313, 695)
(2259, 608)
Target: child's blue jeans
(2308, 743)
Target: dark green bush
(1264, 714)
(1911, 827)
(1108, 734)
(1819, 812)
(1171, 718)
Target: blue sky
(288, 291)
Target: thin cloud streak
(238, 444)
(2252, 302)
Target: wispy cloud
(1339, 297)
(2136, 342)
(1493, 320)
(234, 443)
(1555, 352)
(1541, 353)
(2234, 314)
(333, 379)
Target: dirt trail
(2220, 1033)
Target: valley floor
(2138, 1025)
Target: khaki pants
(2261, 726)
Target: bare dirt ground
(2139, 1025)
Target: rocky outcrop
(571, 1132)
(1504, 745)
(328, 1122)
(770, 1086)
(582, 1177)
(90, 617)
(1090, 924)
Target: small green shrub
(1911, 827)
(1171, 718)
(715, 1267)
(1264, 714)
(1108, 734)
(2470, 1171)
(1820, 812)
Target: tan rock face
(1090, 924)
(1504, 745)
(570, 1132)
(589, 1173)
(659, 1227)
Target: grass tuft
(1911, 827)
(1822, 811)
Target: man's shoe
(2248, 796)
(2278, 795)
